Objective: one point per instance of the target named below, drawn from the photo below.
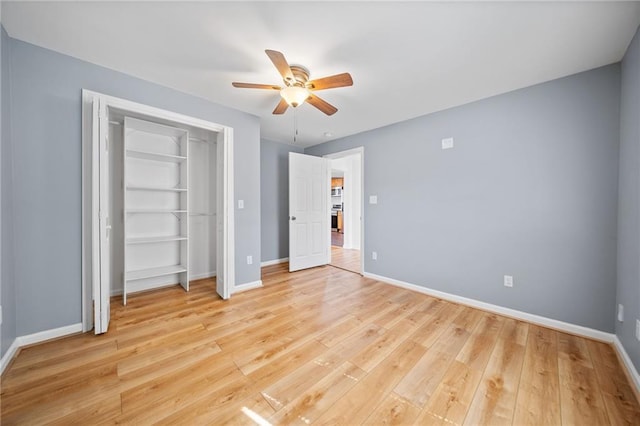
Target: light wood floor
(321, 346)
(347, 259)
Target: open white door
(224, 216)
(308, 211)
(101, 289)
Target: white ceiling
(407, 59)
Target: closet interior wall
(201, 206)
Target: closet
(163, 204)
(157, 203)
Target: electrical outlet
(638, 329)
(249, 260)
(508, 281)
(447, 143)
(374, 255)
(620, 312)
(373, 199)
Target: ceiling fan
(297, 86)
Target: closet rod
(198, 140)
(117, 123)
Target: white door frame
(348, 153)
(90, 189)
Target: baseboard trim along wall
(246, 286)
(274, 262)
(202, 276)
(9, 355)
(118, 291)
(31, 339)
(508, 312)
(626, 361)
(535, 319)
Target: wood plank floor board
(495, 399)
(619, 398)
(285, 390)
(321, 346)
(451, 400)
(477, 351)
(538, 399)
(440, 318)
(393, 410)
(420, 383)
(348, 259)
(362, 399)
(581, 401)
(311, 403)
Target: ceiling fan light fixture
(295, 95)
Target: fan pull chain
(295, 125)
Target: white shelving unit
(156, 203)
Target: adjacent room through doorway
(346, 210)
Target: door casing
(91, 191)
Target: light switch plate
(447, 143)
(508, 281)
(620, 312)
(241, 204)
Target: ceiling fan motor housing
(300, 74)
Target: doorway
(346, 209)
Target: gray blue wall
(274, 181)
(45, 109)
(628, 289)
(529, 190)
(8, 289)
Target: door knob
(293, 218)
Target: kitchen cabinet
(337, 182)
(340, 221)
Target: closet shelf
(151, 188)
(156, 156)
(154, 211)
(155, 272)
(150, 240)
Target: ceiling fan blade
(281, 64)
(256, 86)
(338, 80)
(322, 105)
(281, 107)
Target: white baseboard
(626, 360)
(536, 319)
(246, 286)
(30, 339)
(274, 262)
(8, 356)
(210, 274)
